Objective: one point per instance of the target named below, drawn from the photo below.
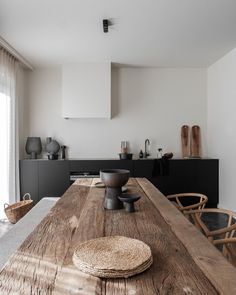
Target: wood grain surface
(185, 142)
(195, 142)
(185, 262)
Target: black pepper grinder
(141, 154)
(63, 152)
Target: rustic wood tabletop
(184, 260)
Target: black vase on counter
(114, 179)
(33, 147)
(63, 152)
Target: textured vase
(33, 147)
(53, 147)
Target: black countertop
(116, 159)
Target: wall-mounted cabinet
(86, 90)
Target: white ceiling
(165, 33)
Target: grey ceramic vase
(53, 148)
(33, 147)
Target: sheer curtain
(8, 130)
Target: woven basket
(17, 210)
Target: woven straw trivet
(113, 257)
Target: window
(8, 127)
(4, 152)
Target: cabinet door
(29, 179)
(144, 168)
(54, 178)
(207, 180)
(154, 171)
(182, 176)
(195, 176)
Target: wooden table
(184, 260)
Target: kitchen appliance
(77, 175)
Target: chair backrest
(201, 201)
(224, 236)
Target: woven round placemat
(113, 257)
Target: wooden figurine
(185, 141)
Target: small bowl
(124, 156)
(52, 157)
(129, 200)
(168, 156)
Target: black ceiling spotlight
(106, 24)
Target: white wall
(221, 132)
(146, 103)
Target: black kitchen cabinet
(29, 179)
(53, 178)
(44, 178)
(182, 175)
(144, 168)
(194, 176)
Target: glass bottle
(159, 153)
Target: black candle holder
(128, 201)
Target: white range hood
(86, 90)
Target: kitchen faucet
(146, 154)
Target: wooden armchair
(176, 200)
(224, 237)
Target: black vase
(33, 147)
(63, 152)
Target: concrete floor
(5, 226)
(214, 220)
